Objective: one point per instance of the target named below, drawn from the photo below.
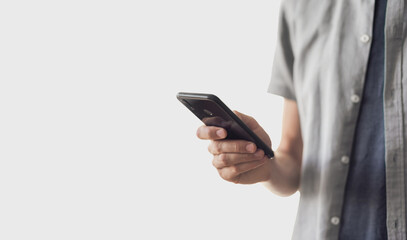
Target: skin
(239, 161)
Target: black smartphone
(213, 112)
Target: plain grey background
(94, 144)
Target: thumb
(248, 120)
(255, 127)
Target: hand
(238, 161)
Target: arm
(285, 168)
(239, 161)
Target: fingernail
(250, 147)
(220, 133)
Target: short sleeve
(282, 82)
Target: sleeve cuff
(281, 90)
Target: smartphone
(213, 112)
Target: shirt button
(345, 159)
(364, 38)
(335, 220)
(355, 98)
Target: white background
(94, 144)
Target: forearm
(285, 169)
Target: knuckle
(213, 147)
(226, 175)
(219, 146)
(215, 163)
(223, 175)
(223, 159)
(234, 170)
(229, 175)
(235, 147)
(210, 147)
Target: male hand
(238, 161)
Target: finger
(232, 173)
(211, 133)
(229, 159)
(231, 146)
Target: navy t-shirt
(364, 209)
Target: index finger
(211, 133)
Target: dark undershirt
(364, 209)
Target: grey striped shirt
(321, 59)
